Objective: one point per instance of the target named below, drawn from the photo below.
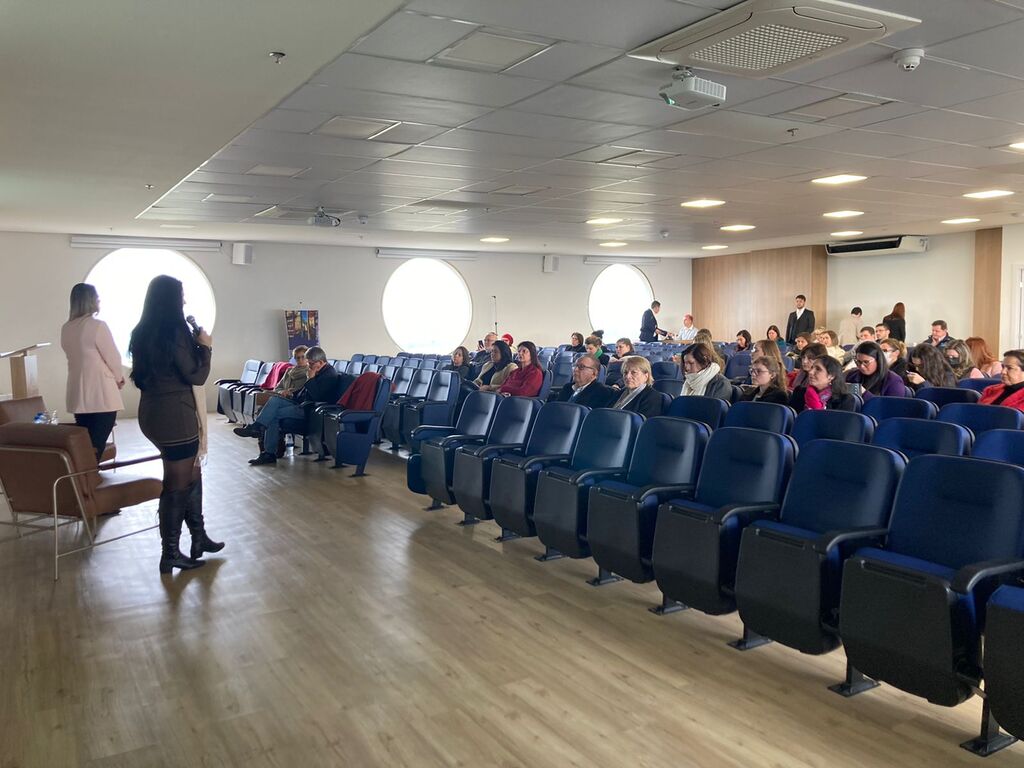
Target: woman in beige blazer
(95, 376)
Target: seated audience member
(292, 381)
(459, 363)
(526, 380)
(801, 344)
(638, 395)
(704, 337)
(689, 331)
(825, 390)
(599, 333)
(882, 332)
(743, 341)
(623, 349)
(576, 343)
(483, 353)
(810, 353)
(703, 375)
(584, 388)
(987, 363)
(1010, 392)
(775, 335)
(939, 336)
(769, 384)
(497, 369)
(928, 368)
(321, 386)
(596, 348)
(848, 327)
(867, 333)
(895, 352)
(767, 348)
(507, 338)
(873, 374)
(830, 340)
(958, 355)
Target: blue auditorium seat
(944, 395)
(1000, 445)
(545, 386)
(737, 367)
(708, 410)
(788, 577)
(912, 611)
(981, 418)
(437, 407)
(471, 473)
(429, 469)
(356, 358)
(697, 537)
(429, 363)
(251, 371)
(978, 385)
(671, 387)
(369, 359)
(514, 477)
(916, 437)
(882, 408)
(770, 417)
(833, 425)
(241, 392)
(603, 450)
(561, 370)
(622, 513)
(353, 433)
(666, 369)
(355, 367)
(1004, 673)
(391, 424)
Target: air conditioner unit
(879, 246)
(764, 38)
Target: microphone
(196, 328)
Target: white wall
(937, 284)
(344, 284)
(1013, 262)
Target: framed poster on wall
(302, 327)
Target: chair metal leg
(604, 576)
(749, 640)
(991, 739)
(855, 682)
(507, 535)
(359, 471)
(468, 519)
(434, 504)
(668, 605)
(549, 554)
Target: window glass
(427, 307)
(122, 277)
(618, 298)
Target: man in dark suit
(584, 388)
(649, 330)
(800, 321)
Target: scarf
(697, 383)
(627, 397)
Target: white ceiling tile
(280, 141)
(798, 157)
(409, 133)
(551, 127)
(591, 170)
(946, 19)
(963, 156)
(450, 172)
(863, 118)
(944, 125)
(334, 100)
(563, 60)
(449, 156)
(786, 100)
(871, 144)
(743, 167)
(996, 49)
(619, 25)
(424, 80)
(690, 144)
(739, 125)
(587, 104)
(1005, 106)
(496, 142)
(291, 120)
(412, 36)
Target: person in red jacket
(1011, 391)
(527, 379)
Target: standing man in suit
(649, 330)
(800, 321)
(584, 388)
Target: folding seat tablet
(471, 471)
(881, 408)
(708, 410)
(918, 437)
(604, 449)
(789, 571)
(437, 408)
(622, 513)
(514, 477)
(1004, 673)
(771, 417)
(980, 418)
(833, 425)
(697, 536)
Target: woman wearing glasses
(1011, 391)
(872, 373)
(768, 377)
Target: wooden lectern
(24, 371)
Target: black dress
(897, 326)
(773, 395)
(167, 407)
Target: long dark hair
(506, 354)
(162, 323)
(934, 367)
(834, 369)
(873, 383)
(532, 349)
(898, 310)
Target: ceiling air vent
(761, 38)
(880, 246)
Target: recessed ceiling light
(493, 239)
(843, 214)
(985, 194)
(702, 203)
(177, 226)
(713, 247)
(614, 244)
(839, 178)
(604, 220)
(737, 227)
(964, 220)
(276, 170)
(1017, 145)
(846, 233)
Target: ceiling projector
(323, 219)
(687, 91)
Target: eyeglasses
(758, 371)
(864, 362)
(581, 367)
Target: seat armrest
(663, 492)
(496, 448)
(354, 417)
(861, 536)
(329, 410)
(591, 474)
(218, 382)
(990, 573)
(545, 460)
(749, 512)
(462, 440)
(430, 431)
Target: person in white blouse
(95, 375)
(689, 331)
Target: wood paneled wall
(756, 289)
(988, 291)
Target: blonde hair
(637, 363)
(84, 301)
(894, 343)
(768, 348)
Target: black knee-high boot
(194, 520)
(171, 513)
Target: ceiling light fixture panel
(988, 194)
(842, 214)
(737, 227)
(839, 178)
(702, 203)
(846, 233)
(962, 220)
(343, 127)
(489, 51)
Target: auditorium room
(519, 383)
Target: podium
(24, 371)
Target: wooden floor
(343, 625)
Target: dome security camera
(908, 59)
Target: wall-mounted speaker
(550, 262)
(241, 254)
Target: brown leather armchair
(49, 470)
(25, 409)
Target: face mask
(953, 360)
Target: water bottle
(40, 418)
(53, 417)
